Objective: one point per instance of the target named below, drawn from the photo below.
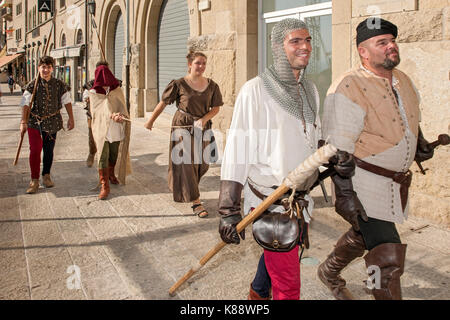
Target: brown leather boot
(47, 181)
(349, 247)
(252, 295)
(390, 258)
(104, 182)
(112, 177)
(34, 186)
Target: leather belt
(402, 178)
(299, 198)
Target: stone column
(136, 92)
(342, 37)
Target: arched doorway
(173, 33)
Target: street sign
(45, 5)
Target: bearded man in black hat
(371, 113)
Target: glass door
(317, 15)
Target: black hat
(372, 27)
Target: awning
(73, 51)
(8, 59)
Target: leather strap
(402, 178)
(299, 198)
(256, 192)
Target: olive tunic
(46, 105)
(188, 159)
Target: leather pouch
(276, 231)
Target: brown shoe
(34, 186)
(349, 247)
(253, 295)
(390, 258)
(104, 182)
(47, 181)
(90, 160)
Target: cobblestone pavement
(139, 242)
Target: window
(40, 18)
(34, 17)
(18, 34)
(30, 15)
(63, 40)
(19, 9)
(79, 36)
(62, 3)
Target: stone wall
(423, 39)
(227, 34)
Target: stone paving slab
(138, 243)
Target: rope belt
(39, 118)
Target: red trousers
(37, 143)
(284, 272)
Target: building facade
(30, 30)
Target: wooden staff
(98, 37)
(294, 178)
(36, 81)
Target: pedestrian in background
(11, 83)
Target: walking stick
(294, 178)
(27, 116)
(98, 37)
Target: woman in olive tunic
(198, 100)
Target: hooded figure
(111, 133)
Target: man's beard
(390, 64)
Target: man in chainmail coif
(275, 127)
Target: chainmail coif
(297, 98)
